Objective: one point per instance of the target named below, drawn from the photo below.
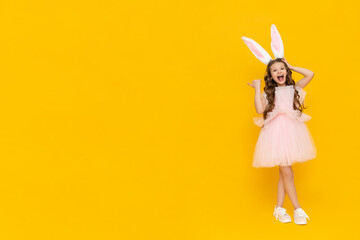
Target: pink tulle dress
(284, 137)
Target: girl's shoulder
(299, 88)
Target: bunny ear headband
(260, 53)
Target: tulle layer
(284, 140)
(294, 114)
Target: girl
(284, 137)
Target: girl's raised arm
(260, 102)
(308, 75)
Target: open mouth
(281, 77)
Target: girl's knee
(286, 171)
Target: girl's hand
(255, 83)
(289, 66)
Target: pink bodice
(284, 97)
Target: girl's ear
(277, 46)
(259, 52)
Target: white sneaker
(300, 216)
(281, 215)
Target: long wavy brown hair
(270, 85)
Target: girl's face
(278, 73)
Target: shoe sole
(284, 221)
(300, 223)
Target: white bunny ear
(259, 52)
(277, 46)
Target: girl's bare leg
(281, 191)
(288, 176)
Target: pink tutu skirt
(283, 142)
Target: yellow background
(133, 119)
